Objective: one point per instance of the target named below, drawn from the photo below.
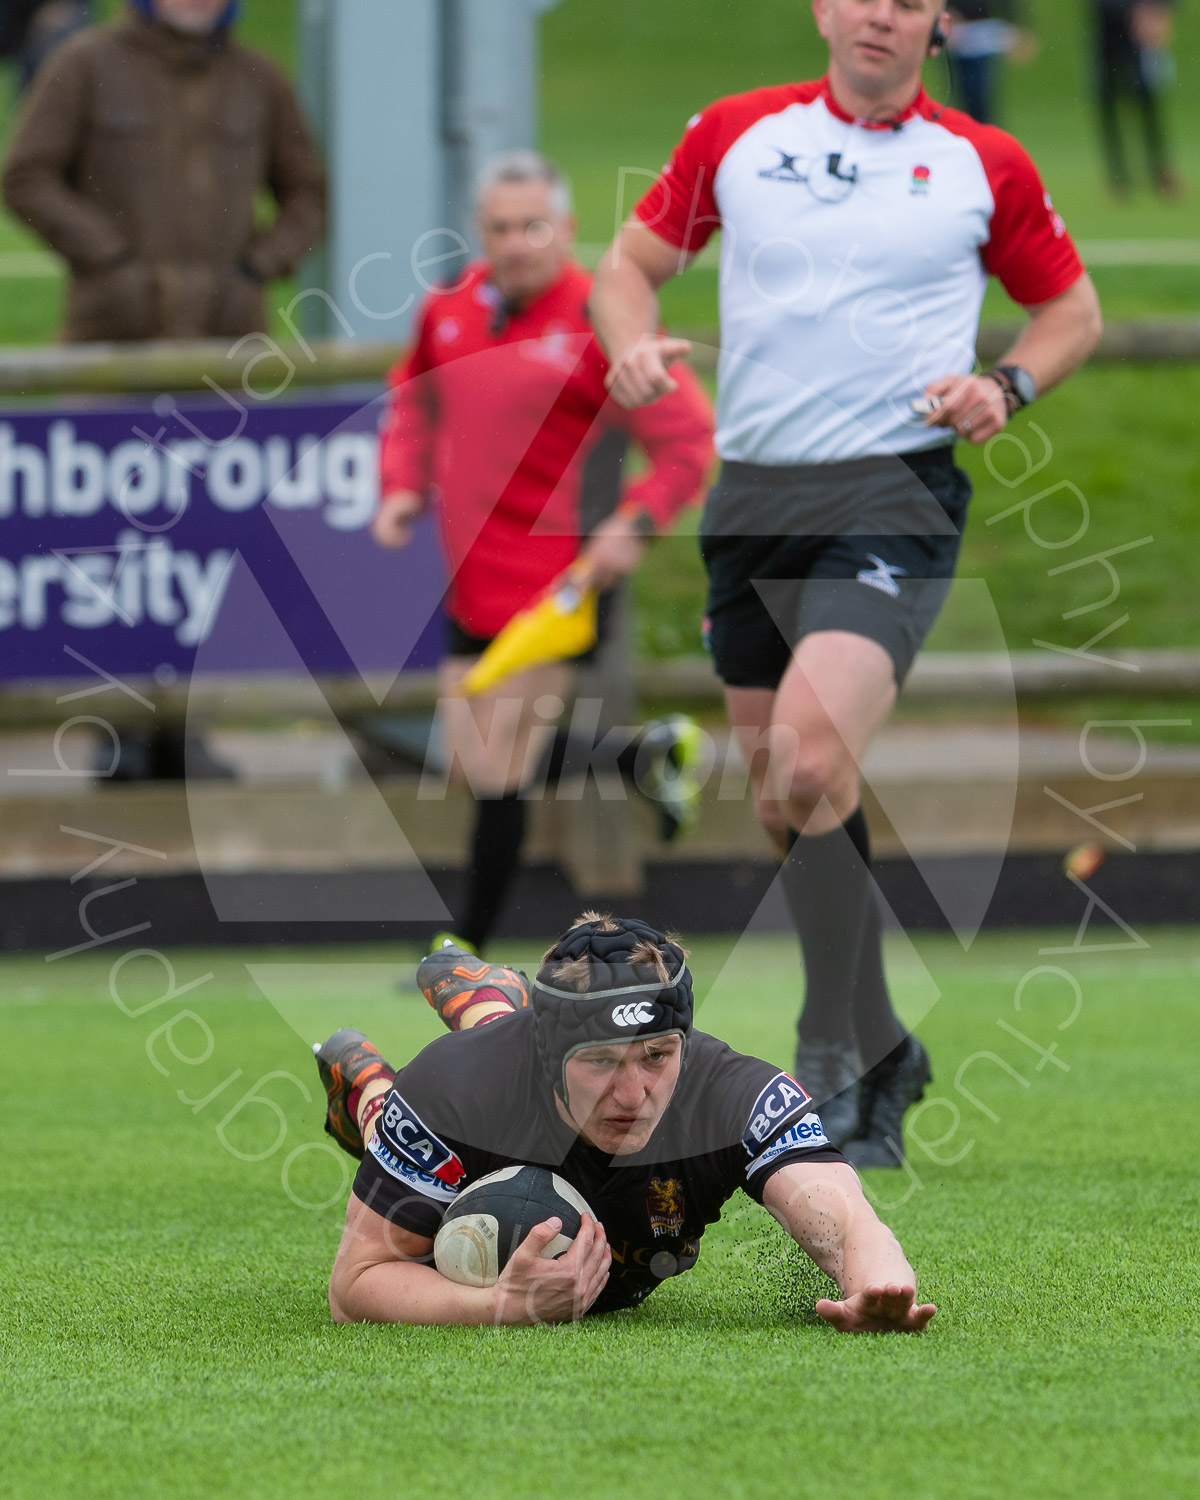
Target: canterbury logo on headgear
(633, 1015)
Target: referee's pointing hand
(643, 375)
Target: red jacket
(493, 416)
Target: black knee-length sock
(500, 824)
(876, 1025)
(832, 899)
(495, 855)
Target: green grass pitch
(165, 1331)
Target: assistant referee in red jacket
(501, 422)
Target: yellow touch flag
(561, 624)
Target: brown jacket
(140, 156)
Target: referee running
(860, 222)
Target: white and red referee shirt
(854, 259)
(493, 415)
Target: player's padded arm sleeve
(407, 431)
(781, 1127)
(416, 1165)
(756, 1118)
(676, 433)
(1029, 251)
(37, 171)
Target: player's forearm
(623, 304)
(871, 1255)
(824, 1210)
(405, 1292)
(1059, 336)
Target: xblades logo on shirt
(785, 169)
(882, 576)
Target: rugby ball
(489, 1220)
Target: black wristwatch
(1017, 383)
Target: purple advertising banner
(210, 536)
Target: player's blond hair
(575, 973)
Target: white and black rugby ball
(490, 1219)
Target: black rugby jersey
(475, 1101)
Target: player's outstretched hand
(532, 1290)
(878, 1309)
(973, 405)
(644, 374)
(393, 523)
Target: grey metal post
(373, 88)
(408, 98)
(491, 88)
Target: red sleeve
(681, 207)
(676, 434)
(406, 433)
(1029, 251)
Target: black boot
(830, 1072)
(888, 1091)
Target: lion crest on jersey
(664, 1202)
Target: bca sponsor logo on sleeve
(422, 1182)
(406, 1135)
(782, 1099)
(808, 1134)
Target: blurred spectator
(31, 29)
(981, 34)
(140, 155)
(1133, 59)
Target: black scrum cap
(623, 1001)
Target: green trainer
(676, 747)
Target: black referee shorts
(867, 546)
